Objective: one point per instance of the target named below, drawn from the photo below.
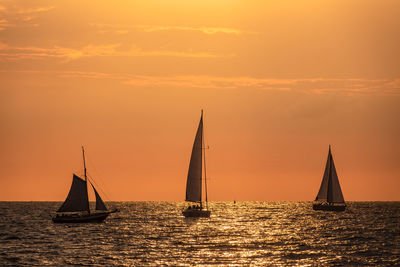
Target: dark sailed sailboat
(330, 197)
(75, 208)
(194, 178)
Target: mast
(205, 173)
(329, 190)
(84, 163)
(84, 168)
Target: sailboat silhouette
(75, 208)
(194, 178)
(330, 197)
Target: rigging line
(95, 169)
(92, 181)
(99, 188)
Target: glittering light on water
(156, 233)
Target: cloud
(123, 29)
(170, 53)
(15, 16)
(310, 86)
(68, 54)
(387, 87)
(29, 52)
(205, 30)
(4, 23)
(33, 10)
(196, 81)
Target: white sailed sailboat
(330, 195)
(75, 208)
(194, 178)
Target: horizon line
(208, 201)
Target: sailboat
(194, 178)
(330, 197)
(75, 208)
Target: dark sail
(193, 184)
(330, 190)
(99, 202)
(77, 199)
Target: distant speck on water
(156, 233)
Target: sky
(279, 81)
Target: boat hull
(95, 217)
(328, 207)
(189, 213)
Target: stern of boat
(95, 217)
(329, 207)
(192, 213)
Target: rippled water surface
(156, 233)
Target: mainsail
(330, 190)
(99, 202)
(77, 199)
(193, 184)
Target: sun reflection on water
(156, 233)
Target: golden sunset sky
(278, 81)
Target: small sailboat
(194, 178)
(75, 208)
(330, 197)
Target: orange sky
(279, 81)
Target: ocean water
(245, 233)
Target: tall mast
(329, 190)
(205, 173)
(84, 168)
(84, 163)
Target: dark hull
(96, 217)
(193, 213)
(328, 207)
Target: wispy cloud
(122, 29)
(170, 53)
(313, 85)
(15, 16)
(388, 87)
(205, 30)
(215, 82)
(68, 54)
(4, 23)
(33, 10)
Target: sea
(236, 234)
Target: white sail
(77, 199)
(330, 190)
(99, 202)
(193, 184)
